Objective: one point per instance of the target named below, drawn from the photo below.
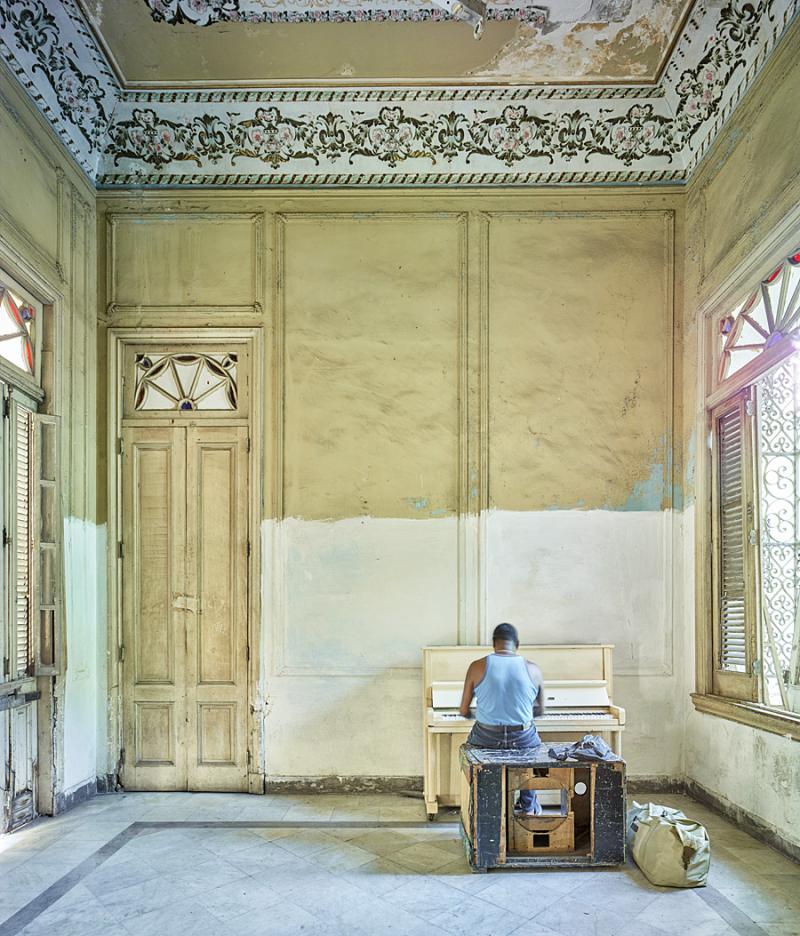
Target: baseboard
(743, 819)
(108, 784)
(76, 796)
(659, 783)
(336, 784)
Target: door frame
(118, 340)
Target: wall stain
(631, 400)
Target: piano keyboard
(549, 716)
(562, 715)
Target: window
(755, 496)
(19, 327)
(29, 514)
(779, 499)
(770, 314)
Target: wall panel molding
(670, 573)
(220, 305)
(282, 664)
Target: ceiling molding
(389, 136)
(213, 12)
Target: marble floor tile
(422, 857)
(425, 897)
(682, 911)
(571, 914)
(378, 877)
(186, 917)
(245, 896)
(110, 877)
(71, 917)
(382, 842)
(523, 894)
(341, 857)
(305, 842)
(532, 928)
(475, 917)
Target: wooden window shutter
(46, 564)
(735, 549)
(20, 540)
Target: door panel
(216, 581)
(154, 626)
(185, 607)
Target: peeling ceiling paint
(628, 47)
(209, 43)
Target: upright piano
(578, 701)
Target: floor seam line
(736, 918)
(58, 889)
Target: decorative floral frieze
(209, 12)
(390, 136)
(701, 88)
(54, 55)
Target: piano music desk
(578, 684)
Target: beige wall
(47, 242)
(469, 417)
(739, 209)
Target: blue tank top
(506, 694)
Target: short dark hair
(505, 632)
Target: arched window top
(19, 318)
(769, 314)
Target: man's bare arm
(473, 677)
(536, 676)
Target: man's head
(505, 635)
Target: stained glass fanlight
(186, 382)
(17, 323)
(770, 314)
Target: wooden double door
(184, 553)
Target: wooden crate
(583, 820)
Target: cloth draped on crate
(589, 748)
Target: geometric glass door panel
(184, 608)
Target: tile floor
(83, 874)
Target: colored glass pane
(768, 315)
(17, 321)
(186, 382)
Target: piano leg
(431, 776)
(616, 743)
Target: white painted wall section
(348, 604)
(84, 567)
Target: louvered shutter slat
(731, 548)
(734, 584)
(22, 540)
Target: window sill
(751, 714)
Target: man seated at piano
(508, 694)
